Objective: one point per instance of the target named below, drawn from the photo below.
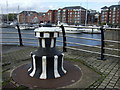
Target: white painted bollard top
(47, 32)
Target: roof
(28, 12)
(41, 13)
(117, 6)
(105, 7)
(74, 7)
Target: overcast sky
(45, 5)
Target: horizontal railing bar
(90, 45)
(59, 41)
(9, 33)
(112, 41)
(83, 50)
(82, 38)
(83, 44)
(17, 38)
(91, 39)
(92, 52)
(111, 49)
(14, 33)
(112, 55)
(112, 28)
(29, 42)
(17, 42)
(10, 38)
(30, 38)
(9, 42)
(80, 44)
(28, 33)
(82, 27)
(91, 27)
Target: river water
(111, 35)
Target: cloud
(77, 0)
(44, 5)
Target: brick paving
(109, 69)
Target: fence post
(64, 39)
(102, 57)
(20, 37)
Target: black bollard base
(21, 77)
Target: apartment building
(114, 14)
(35, 17)
(74, 15)
(110, 15)
(104, 14)
(43, 17)
(93, 17)
(28, 17)
(52, 16)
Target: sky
(45, 5)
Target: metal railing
(102, 47)
(102, 40)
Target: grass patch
(5, 70)
(84, 63)
(6, 82)
(21, 88)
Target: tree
(12, 17)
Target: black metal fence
(102, 48)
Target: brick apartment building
(93, 17)
(52, 16)
(43, 17)
(28, 17)
(35, 17)
(72, 15)
(110, 15)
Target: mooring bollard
(47, 61)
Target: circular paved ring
(21, 77)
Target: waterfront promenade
(96, 73)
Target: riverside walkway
(96, 73)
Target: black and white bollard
(47, 61)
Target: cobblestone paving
(109, 69)
(13, 58)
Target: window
(64, 10)
(113, 22)
(74, 9)
(113, 16)
(114, 12)
(102, 16)
(59, 11)
(114, 8)
(103, 12)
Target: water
(74, 40)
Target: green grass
(6, 82)
(84, 63)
